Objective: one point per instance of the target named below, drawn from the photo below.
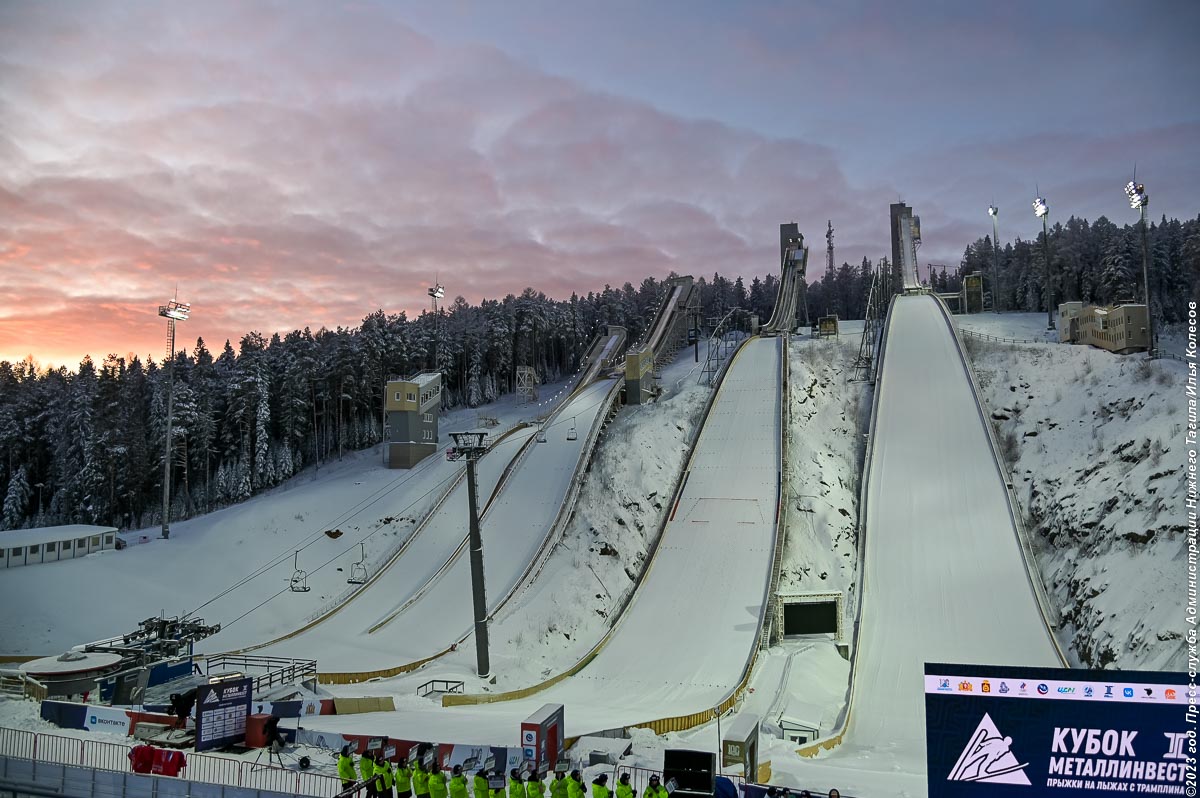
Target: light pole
(470, 446)
(1041, 210)
(1139, 199)
(435, 293)
(173, 311)
(993, 212)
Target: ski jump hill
(945, 570)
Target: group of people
(380, 778)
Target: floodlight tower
(470, 446)
(1041, 209)
(993, 212)
(435, 293)
(173, 311)
(1138, 200)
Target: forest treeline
(86, 446)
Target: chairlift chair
(541, 433)
(299, 581)
(358, 570)
(572, 433)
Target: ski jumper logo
(987, 758)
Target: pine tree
(16, 499)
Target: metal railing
(440, 686)
(1001, 339)
(279, 670)
(57, 750)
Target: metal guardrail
(279, 670)
(768, 630)
(1000, 339)
(440, 686)
(835, 739)
(40, 750)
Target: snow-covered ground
(1092, 439)
(829, 415)
(249, 545)
(944, 577)
(415, 614)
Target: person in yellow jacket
(366, 766)
(575, 786)
(383, 778)
(497, 793)
(624, 788)
(345, 767)
(437, 782)
(534, 788)
(458, 783)
(558, 785)
(480, 784)
(420, 780)
(403, 779)
(600, 786)
(516, 787)
(655, 789)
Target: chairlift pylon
(572, 433)
(358, 570)
(299, 581)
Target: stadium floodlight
(1138, 200)
(176, 311)
(1041, 209)
(173, 311)
(993, 210)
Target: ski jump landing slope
(431, 587)
(944, 577)
(683, 644)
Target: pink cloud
(308, 171)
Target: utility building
(412, 407)
(1120, 328)
(53, 543)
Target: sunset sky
(305, 163)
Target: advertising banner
(107, 719)
(221, 711)
(1005, 731)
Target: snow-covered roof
(50, 534)
(425, 377)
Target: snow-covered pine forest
(84, 445)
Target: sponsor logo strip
(1125, 692)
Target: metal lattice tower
(864, 364)
(829, 246)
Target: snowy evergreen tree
(16, 499)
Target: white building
(47, 544)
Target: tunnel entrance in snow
(810, 614)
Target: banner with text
(1048, 731)
(221, 711)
